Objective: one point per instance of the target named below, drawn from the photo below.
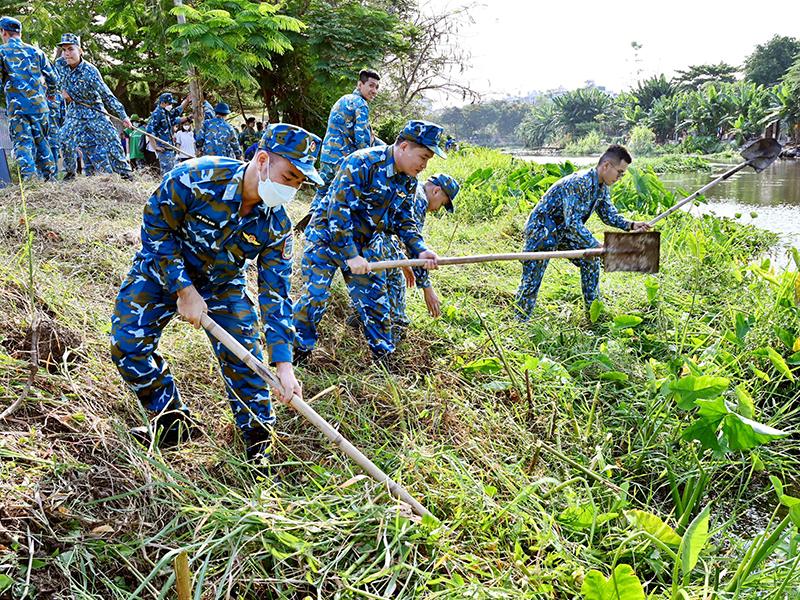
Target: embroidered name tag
(207, 221)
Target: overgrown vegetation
(654, 441)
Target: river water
(772, 195)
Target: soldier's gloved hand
(289, 383)
(432, 302)
(408, 273)
(191, 305)
(359, 265)
(432, 259)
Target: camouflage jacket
(161, 123)
(85, 84)
(192, 234)
(348, 129)
(368, 198)
(217, 137)
(22, 67)
(569, 203)
(56, 106)
(419, 209)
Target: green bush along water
(647, 449)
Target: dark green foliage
(696, 76)
(770, 61)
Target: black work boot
(169, 428)
(354, 321)
(259, 453)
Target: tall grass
(540, 448)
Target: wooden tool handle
(310, 414)
(479, 258)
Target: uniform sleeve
(420, 206)
(362, 132)
(235, 145)
(345, 196)
(110, 101)
(570, 197)
(175, 116)
(274, 285)
(406, 225)
(50, 76)
(609, 215)
(163, 216)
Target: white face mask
(274, 194)
(186, 127)
(168, 107)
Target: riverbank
(551, 453)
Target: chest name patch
(207, 221)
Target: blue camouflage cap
(298, 146)
(69, 38)
(222, 109)
(10, 24)
(424, 133)
(166, 98)
(449, 186)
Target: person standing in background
(185, 141)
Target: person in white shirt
(185, 141)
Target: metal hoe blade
(762, 153)
(639, 252)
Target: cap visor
(438, 151)
(308, 170)
(449, 207)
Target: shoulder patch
(288, 247)
(230, 191)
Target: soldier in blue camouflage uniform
(207, 220)
(85, 128)
(217, 137)
(348, 130)
(22, 67)
(58, 107)
(436, 193)
(558, 222)
(372, 193)
(164, 117)
(249, 136)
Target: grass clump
(546, 450)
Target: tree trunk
(195, 89)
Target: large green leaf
(578, 517)
(743, 433)
(779, 363)
(745, 407)
(653, 525)
(693, 540)
(594, 311)
(705, 431)
(483, 365)
(794, 515)
(622, 585)
(625, 321)
(692, 387)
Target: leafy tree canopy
(698, 75)
(770, 61)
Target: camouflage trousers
(143, 309)
(54, 139)
(166, 160)
(99, 143)
(328, 172)
(533, 270)
(368, 293)
(31, 148)
(395, 289)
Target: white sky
(519, 46)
